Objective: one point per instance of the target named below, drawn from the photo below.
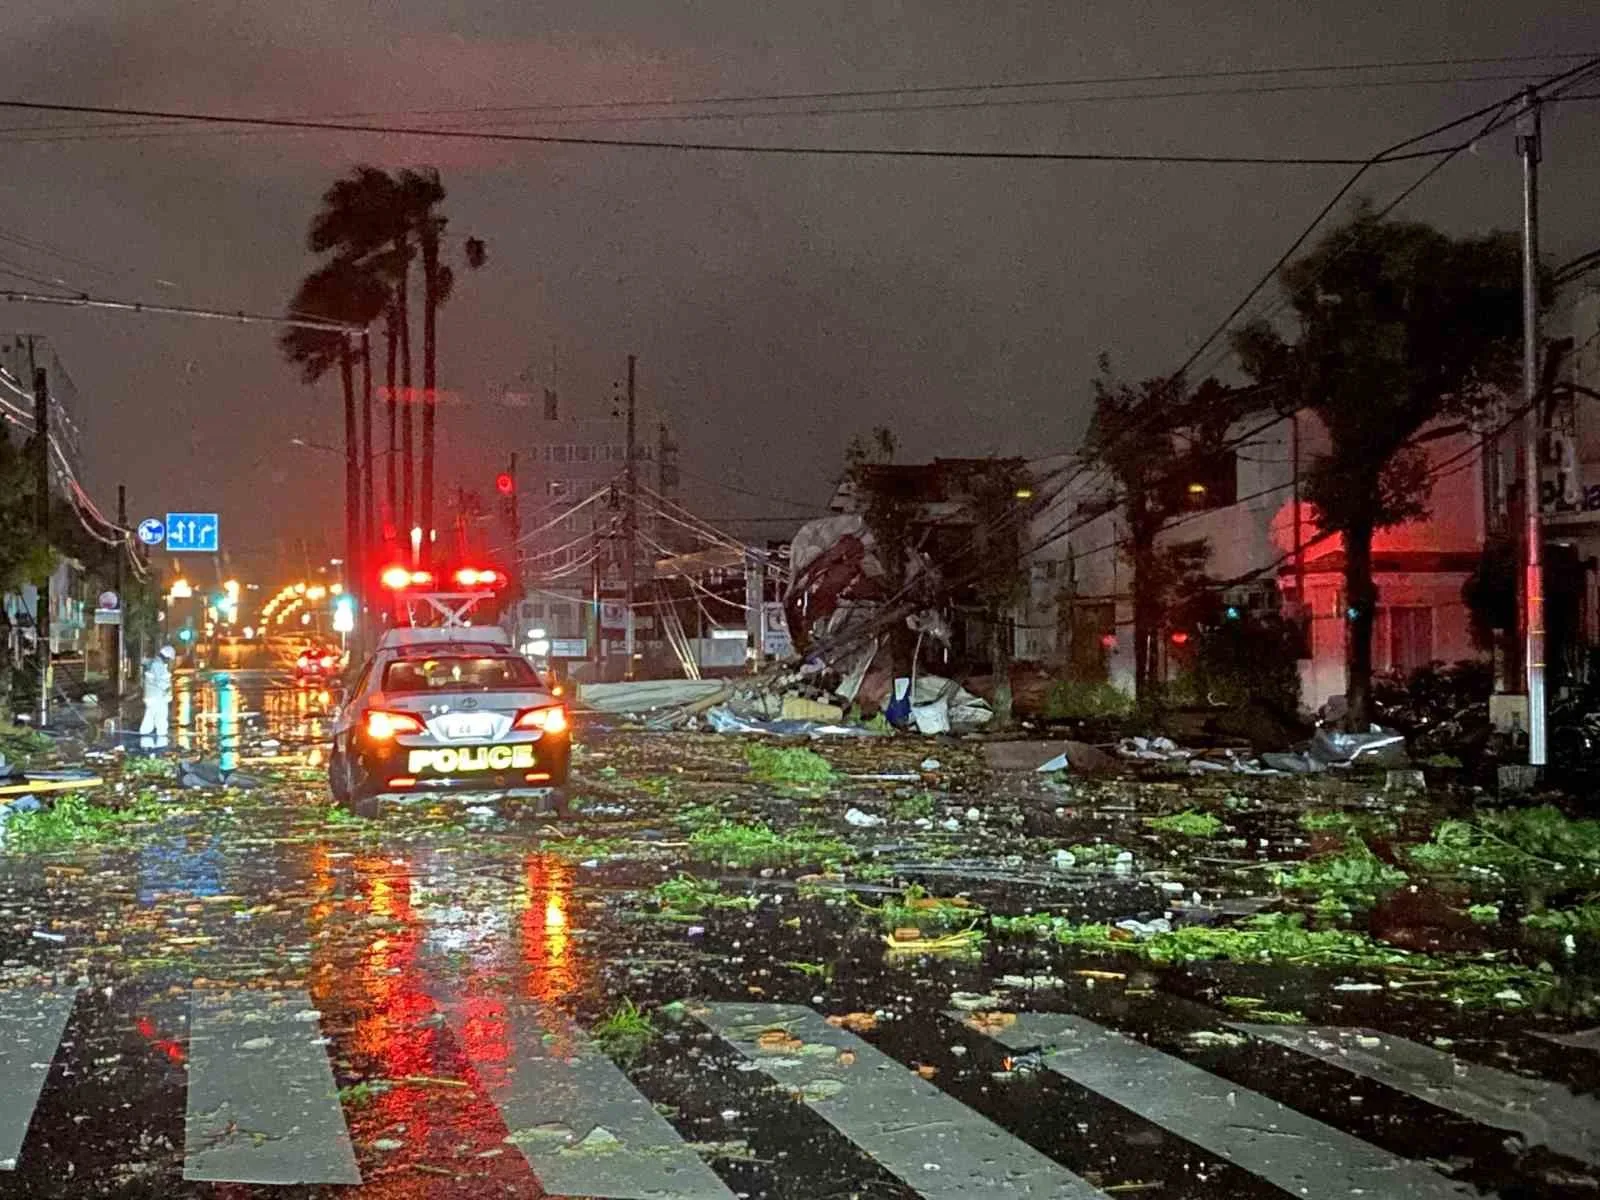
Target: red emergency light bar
(398, 578)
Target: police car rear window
(459, 674)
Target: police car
(448, 709)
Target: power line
(179, 310)
(1496, 114)
(744, 491)
(137, 130)
(706, 147)
(948, 89)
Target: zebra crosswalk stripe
(31, 1021)
(937, 1145)
(1301, 1155)
(262, 1107)
(1543, 1113)
(583, 1128)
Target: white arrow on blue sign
(151, 531)
(197, 532)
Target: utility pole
(631, 526)
(354, 558)
(368, 531)
(1528, 130)
(122, 603)
(41, 516)
(513, 504)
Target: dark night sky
(777, 305)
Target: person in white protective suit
(157, 700)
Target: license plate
(466, 725)
(467, 760)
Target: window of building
(556, 487)
(1212, 482)
(582, 453)
(559, 454)
(1404, 637)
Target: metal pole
(1528, 126)
(632, 528)
(122, 605)
(354, 559)
(41, 511)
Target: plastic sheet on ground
(1331, 749)
(723, 719)
(965, 711)
(209, 775)
(644, 695)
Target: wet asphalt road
(253, 997)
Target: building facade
(1263, 541)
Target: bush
(1070, 698)
(1253, 659)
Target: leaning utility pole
(631, 527)
(41, 517)
(1532, 423)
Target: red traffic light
(504, 484)
(1179, 637)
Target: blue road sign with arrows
(195, 532)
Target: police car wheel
(339, 778)
(360, 797)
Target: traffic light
(1232, 613)
(505, 484)
(1180, 637)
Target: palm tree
(379, 223)
(341, 290)
(363, 218)
(423, 193)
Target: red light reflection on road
(147, 1029)
(553, 974)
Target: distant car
(448, 711)
(318, 662)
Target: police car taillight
(549, 719)
(381, 726)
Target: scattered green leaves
(1190, 823)
(911, 805)
(1099, 852)
(1516, 842)
(686, 895)
(74, 820)
(624, 1032)
(1281, 938)
(1255, 1010)
(759, 845)
(914, 908)
(359, 1095)
(1484, 914)
(1354, 874)
(1585, 918)
(792, 765)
